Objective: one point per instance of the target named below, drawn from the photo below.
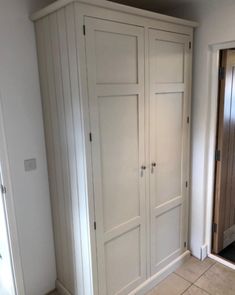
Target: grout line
(200, 277)
(186, 289)
(193, 284)
(202, 290)
(203, 274)
(195, 287)
(214, 261)
(183, 278)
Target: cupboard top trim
(113, 6)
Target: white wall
(20, 94)
(34, 5)
(217, 24)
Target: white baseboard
(149, 283)
(204, 252)
(161, 275)
(61, 289)
(222, 261)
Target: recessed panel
(168, 110)
(116, 58)
(169, 62)
(119, 154)
(167, 234)
(122, 260)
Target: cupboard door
(115, 65)
(169, 71)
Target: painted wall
(34, 5)
(20, 95)
(217, 23)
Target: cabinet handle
(142, 170)
(153, 165)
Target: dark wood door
(224, 205)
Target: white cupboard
(115, 84)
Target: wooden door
(115, 64)
(169, 131)
(224, 205)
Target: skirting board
(148, 284)
(222, 261)
(61, 290)
(161, 275)
(204, 252)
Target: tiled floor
(198, 278)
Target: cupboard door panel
(115, 64)
(167, 131)
(116, 57)
(167, 234)
(168, 62)
(122, 262)
(168, 56)
(119, 154)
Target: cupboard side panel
(57, 54)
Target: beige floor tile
(194, 268)
(218, 280)
(172, 285)
(193, 290)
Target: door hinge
(214, 227)
(94, 225)
(84, 30)
(221, 73)
(90, 137)
(217, 155)
(3, 189)
(188, 120)
(185, 244)
(190, 45)
(186, 184)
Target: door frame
(5, 177)
(214, 55)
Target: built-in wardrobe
(116, 87)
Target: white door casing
(6, 273)
(169, 109)
(115, 67)
(14, 271)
